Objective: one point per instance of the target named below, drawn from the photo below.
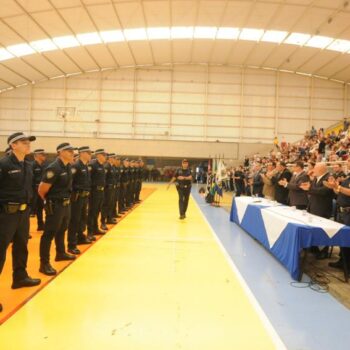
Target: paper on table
(243, 202)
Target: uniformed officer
(343, 216)
(8, 151)
(183, 178)
(98, 182)
(55, 189)
(80, 198)
(109, 194)
(124, 178)
(139, 178)
(39, 165)
(132, 182)
(15, 195)
(117, 190)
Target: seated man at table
(297, 196)
(320, 199)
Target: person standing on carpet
(183, 178)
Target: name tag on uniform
(63, 174)
(14, 171)
(83, 170)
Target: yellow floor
(153, 282)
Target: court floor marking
(266, 322)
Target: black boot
(26, 282)
(64, 257)
(47, 269)
(104, 227)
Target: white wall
(190, 103)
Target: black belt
(64, 201)
(111, 186)
(344, 209)
(12, 208)
(82, 193)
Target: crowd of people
(312, 175)
(76, 192)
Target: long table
(286, 231)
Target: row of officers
(74, 192)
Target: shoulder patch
(50, 174)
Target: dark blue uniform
(109, 195)
(98, 183)
(37, 202)
(15, 196)
(124, 178)
(183, 188)
(132, 185)
(117, 191)
(80, 199)
(138, 183)
(57, 208)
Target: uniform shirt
(98, 174)
(16, 179)
(138, 174)
(60, 177)
(132, 174)
(124, 174)
(185, 173)
(81, 176)
(38, 170)
(110, 174)
(342, 199)
(117, 174)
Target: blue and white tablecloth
(285, 231)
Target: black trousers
(56, 224)
(38, 207)
(78, 220)
(128, 194)
(116, 201)
(239, 188)
(138, 187)
(301, 207)
(184, 195)
(123, 196)
(107, 210)
(15, 227)
(95, 206)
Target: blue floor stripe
(303, 318)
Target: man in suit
(258, 182)
(281, 192)
(320, 197)
(320, 200)
(297, 196)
